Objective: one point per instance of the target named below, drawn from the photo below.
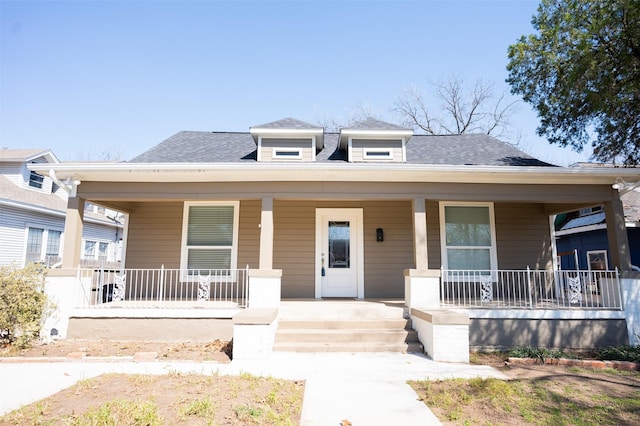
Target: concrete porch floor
(338, 309)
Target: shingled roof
(230, 147)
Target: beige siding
(268, 145)
(294, 250)
(433, 235)
(249, 233)
(155, 235)
(523, 236)
(358, 147)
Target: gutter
(401, 172)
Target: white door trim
(357, 257)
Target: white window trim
(276, 154)
(185, 227)
(45, 240)
(493, 254)
(370, 153)
(606, 258)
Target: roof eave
(313, 172)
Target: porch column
(420, 234)
(617, 234)
(73, 233)
(266, 234)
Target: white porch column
(630, 282)
(421, 261)
(73, 233)
(266, 234)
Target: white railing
(530, 289)
(164, 288)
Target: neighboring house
(581, 236)
(32, 216)
(459, 224)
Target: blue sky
(93, 77)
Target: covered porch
(397, 240)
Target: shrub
(620, 353)
(22, 304)
(538, 353)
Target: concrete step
(347, 347)
(345, 336)
(345, 324)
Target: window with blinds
(468, 237)
(210, 236)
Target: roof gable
(25, 155)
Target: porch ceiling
(320, 172)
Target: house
(458, 228)
(581, 236)
(32, 216)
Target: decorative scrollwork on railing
(575, 292)
(204, 286)
(486, 288)
(119, 287)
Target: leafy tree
(475, 109)
(581, 72)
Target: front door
(339, 257)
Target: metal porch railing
(530, 289)
(164, 288)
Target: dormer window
(35, 180)
(374, 140)
(287, 154)
(377, 154)
(287, 140)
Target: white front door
(339, 253)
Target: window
(287, 153)
(34, 245)
(597, 260)
(103, 251)
(210, 236)
(53, 247)
(35, 180)
(89, 250)
(590, 210)
(377, 154)
(468, 236)
(43, 245)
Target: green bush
(620, 353)
(537, 353)
(22, 304)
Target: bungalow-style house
(458, 229)
(32, 216)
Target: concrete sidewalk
(364, 388)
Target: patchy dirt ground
(168, 400)
(218, 350)
(243, 400)
(584, 390)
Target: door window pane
(339, 245)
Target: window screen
(210, 237)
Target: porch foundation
(265, 288)
(422, 288)
(630, 283)
(444, 334)
(254, 332)
(62, 288)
